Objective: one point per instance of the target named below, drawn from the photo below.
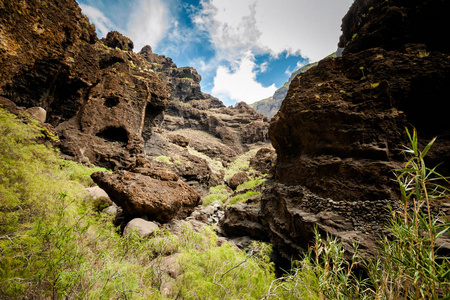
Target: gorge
(175, 159)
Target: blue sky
(244, 49)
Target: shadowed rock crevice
(115, 134)
(111, 102)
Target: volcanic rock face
(339, 132)
(119, 109)
(102, 98)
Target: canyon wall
(340, 131)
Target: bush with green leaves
(240, 198)
(408, 266)
(217, 195)
(225, 272)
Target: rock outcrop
(102, 98)
(339, 132)
(191, 109)
(243, 220)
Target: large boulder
(142, 195)
(237, 179)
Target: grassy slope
(54, 243)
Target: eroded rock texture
(144, 190)
(339, 132)
(192, 110)
(101, 97)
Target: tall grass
(407, 265)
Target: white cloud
(240, 83)
(102, 24)
(309, 27)
(148, 23)
(263, 67)
(231, 26)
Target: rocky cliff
(106, 103)
(339, 132)
(191, 111)
(101, 98)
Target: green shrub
(214, 199)
(51, 244)
(224, 273)
(218, 195)
(242, 197)
(251, 184)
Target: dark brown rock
(145, 167)
(115, 39)
(140, 195)
(180, 140)
(102, 100)
(46, 55)
(393, 24)
(264, 160)
(243, 220)
(339, 132)
(237, 179)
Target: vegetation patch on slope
(54, 243)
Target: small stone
(37, 113)
(143, 228)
